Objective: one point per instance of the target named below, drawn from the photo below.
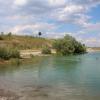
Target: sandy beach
(30, 53)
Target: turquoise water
(53, 78)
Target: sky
(54, 18)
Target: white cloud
(73, 9)
(57, 34)
(92, 27)
(20, 2)
(32, 28)
(92, 42)
(57, 2)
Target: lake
(53, 78)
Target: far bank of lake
(93, 49)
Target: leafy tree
(68, 45)
(39, 34)
(1, 36)
(2, 33)
(9, 34)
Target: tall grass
(23, 42)
(7, 53)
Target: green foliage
(1, 38)
(46, 50)
(7, 53)
(15, 53)
(68, 45)
(80, 48)
(39, 33)
(9, 34)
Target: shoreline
(28, 56)
(32, 53)
(89, 50)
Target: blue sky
(54, 18)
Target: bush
(9, 34)
(80, 48)
(46, 50)
(68, 45)
(15, 53)
(7, 53)
(1, 38)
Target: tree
(69, 45)
(2, 33)
(9, 34)
(1, 36)
(39, 34)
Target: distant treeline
(3, 35)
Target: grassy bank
(23, 42)
(17, 47)
(11, 47)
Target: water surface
(53, 78)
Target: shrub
(15, 53)
(7, 53)
(1, 38)
(80, 48)
(46, 50)
(9, 34)
(4, 53)
(68, 45)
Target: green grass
(8, 53)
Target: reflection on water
(53, 78)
